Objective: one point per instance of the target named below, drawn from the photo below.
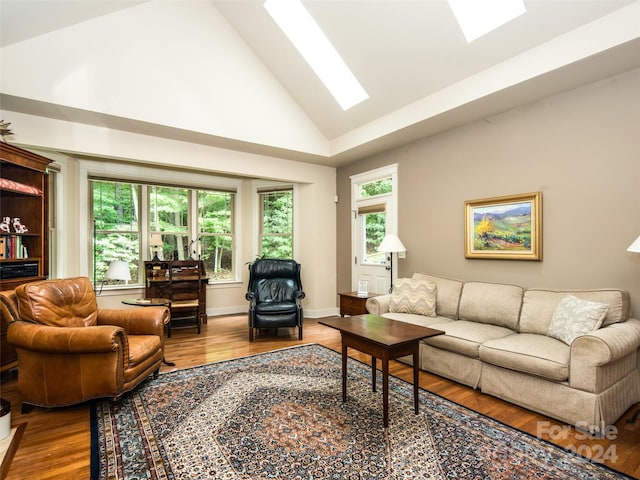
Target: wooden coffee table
(384, 339)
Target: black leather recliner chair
(275, 293)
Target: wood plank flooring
(56, 442)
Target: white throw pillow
(411, 295)
(573, 317)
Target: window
(169, 216)
(116, 226)
(215, 220)
(374, 220)
(192, 223)
(276, 223)
(373, 231)
(378, 187)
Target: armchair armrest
(48, 339)
(378, 305)
(8, 305)
(593, 354)
(136, 321)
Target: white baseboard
(308, 313)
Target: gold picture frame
(508, 228)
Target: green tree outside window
(276, 232)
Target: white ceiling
(421, 75)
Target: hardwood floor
(56, 442)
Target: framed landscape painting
(507, 227)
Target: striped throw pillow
(411, 295)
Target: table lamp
(155, 242)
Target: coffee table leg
(344, 373)
(373, 372)
(415, 380)
(385, 391)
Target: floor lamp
(634, 248)
(118, 270)
(391, 244)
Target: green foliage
(115, 210)
(277, 224)
(169, 209)
(375, 223)
(378, 187)
(375, 229)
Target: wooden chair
(185, 284)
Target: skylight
(305, 34)
(478, 17)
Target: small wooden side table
(354, 303)
(147, 302)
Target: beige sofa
(496, 339)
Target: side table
(354, 303)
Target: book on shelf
(11, 247)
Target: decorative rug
(280, 415)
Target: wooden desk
(384, 339)
(157, 284)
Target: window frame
(97, 170)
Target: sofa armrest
(593, 354)
(378, 305)
(60, 340)
(136, 321)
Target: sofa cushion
(465, 337)
(529, 353)
(418, 319)
(447, 294)
(412, 295)
(538, 306)
(494, 303)
(574, 317)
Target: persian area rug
(280, 415)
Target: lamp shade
(118, 270)
(635, 246)
(391, 243)
(156, 240)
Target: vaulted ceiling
(421, 75)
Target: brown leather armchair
(70, 351)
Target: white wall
(175, 64)
(316, 226)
